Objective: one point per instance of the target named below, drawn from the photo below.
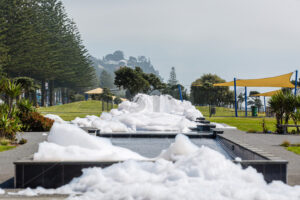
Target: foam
(2, 191)
(67, 142)
(201, 174)
(56, 118)
(145, 113)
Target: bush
(117, 100)
(25, 106)
(34, 121)
(251, 131)
(9, 126)
(23, 141)
(77, 97)
(264, 127)
(285, 143)
(4, 141)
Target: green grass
(295, 149)
(224, 112)
(5, 148)
(246, 123)
(72, 110)
(226, 116)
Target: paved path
(271, 144)
(8, 157)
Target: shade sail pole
(180, 93)
(296, 82)
(265, 105)
(235, 100)
(246, 110)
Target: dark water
(151, 147)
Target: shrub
(25, 106)
(251, 131)
(23, 141)
(285, 143)
(264, 127)
(34, 121)
(4, 141)
(117, 100)
(77, 97)
(9, 126)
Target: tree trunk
(51, 91)
(63, 95)
(34, 98)
(43, 93)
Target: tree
(27, 85)
(131, 80)
(255, 100)
(204, 93)
(106, 95)
(106, 80)
(39, 41)
(173, 91)
(241, 99)
(136, 81)
(172, 79)
(283, 104)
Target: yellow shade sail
(95, 91)
(277, 81)
(266, 94)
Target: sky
(230, 38)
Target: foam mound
(202, 174)
(145, 113)
(56, 118)
(2, 191)
(67, 142)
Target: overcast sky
(231, 38)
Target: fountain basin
(53, 174)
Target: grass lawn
(246, 123)
(242, 123)
(5, 148)
(225, 112)
(72, 110)
(295, 149)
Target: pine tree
(38, 40)
(172, 79)
(106, 80)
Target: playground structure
(282, 81)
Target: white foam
(181, 147)
(56, 118)
(2, 191)
(67, 142)
(203, 175)
(145, 113)
(223, 126)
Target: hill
(112, 62)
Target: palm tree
(276, 104)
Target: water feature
(151, 147)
